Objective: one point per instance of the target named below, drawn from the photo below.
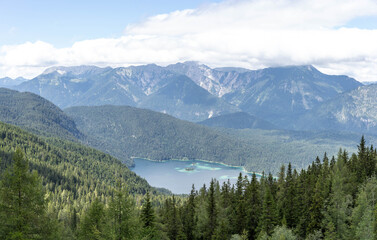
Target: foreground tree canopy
(334, 198)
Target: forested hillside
(238, 120)
(331, 199)
(128, 132)
(34, 113)
(73, 175)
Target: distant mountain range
(147, 86)
(10, 82)
(278, 94)
(295, 97)
(352, 111)
(192, 91)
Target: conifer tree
(173, 222)
(363, 218)
(226, 212)
(189, 218)
(316, 208)
(147, 213)
(95, 223)
(337, 214)
(253, 203)
(74, 220)
(325, 178)
(280, 191)
(201, 213)
(289, 199)
(22, 204)
(240, 205)
(122, 214)
(148, 219)
(268, 218)
(211, 210)
(366, 164)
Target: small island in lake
(192, 168)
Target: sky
(336, 36)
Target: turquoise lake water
(178, 176)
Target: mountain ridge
(126, 132)
(278, 95)
(352, 111)
(34, 113)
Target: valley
(188, 120)
(206, 132)
(241, 116)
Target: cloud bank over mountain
(251, 34)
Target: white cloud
(251, 34)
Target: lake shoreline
(201, 160)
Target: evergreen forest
(55, 189)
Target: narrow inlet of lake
(178, 176)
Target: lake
(178, 176)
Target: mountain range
(277, 94)
(193, 91)
(10, 82)
(147, 86)
(351, 111)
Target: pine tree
(148, 219)
(337, 214)
(289, 199)
(366, 164)
(211, 210)
(268, 218)
(22, 204)
(226, 212)
(189, 219)
(201, 214)
(147, 212)
(280, 192)
(122, 214)
(363, 219)
(95, 224)
(253, 209)
(316, 208)
(173, 221)
(74, 220)
(240, 205)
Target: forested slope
(128, 132)
(34, 113)
(334, 198)
(72, 173)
